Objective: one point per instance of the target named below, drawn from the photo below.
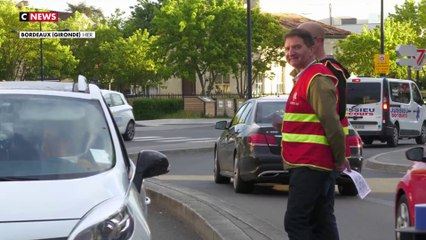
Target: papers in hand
(360, 183)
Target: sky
(313, 9)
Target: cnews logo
(38, 16)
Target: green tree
(204, 39)
(95, 14)
(409, 11)
(357, 51)
(183, 29)
(267, 41)
(142, 15)
(87, 51)
(130, 61)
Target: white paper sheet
(360, 183)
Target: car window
(50, 137)
(363, 93)
(107, 98)
(246, 113)
(417, 96)
(400, 92)
(237, 116)
(116, 100)
(266, 111)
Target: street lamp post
(382, 33)
(249, 64)
(41, 57)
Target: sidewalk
(216, 220)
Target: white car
(64, 169)
(122, 112)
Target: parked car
(249, 148)
(122, 112)
(411, 189)
(64, 169)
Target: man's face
(297, 54)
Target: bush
(150, 108)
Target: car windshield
(267, 111)
(363, 93)
(52, 137)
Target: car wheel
(347, 189)
(130, 131)
(216, 171)
(393, 140)
(402, 214)
(422, 138)
(240, 186)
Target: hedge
(154, 108)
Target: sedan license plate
(358, 126)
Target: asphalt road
(358, 219)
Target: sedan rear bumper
(263, 168)
(269, 168)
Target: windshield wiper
(13, 178)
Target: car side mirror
(221, 125)
(415, 154)
(150, 164)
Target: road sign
(420, 59)
(381, 63)
(419, 56)
(406, 62)
(412, 54)
(406, 50)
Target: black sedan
(249, 148)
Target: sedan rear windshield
(267, 111)
(52, 137)
(363, 93)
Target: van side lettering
(400, 110)
(399, 115)
(363, 110)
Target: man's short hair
(303, 34)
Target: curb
(387, 166)
(212, 220)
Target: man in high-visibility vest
(340, 72)
(313, 142)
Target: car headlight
(118, 227)
(110, 220)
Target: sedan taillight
(354, 141)
(261, 139)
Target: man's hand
(341, 167)
(277, 122)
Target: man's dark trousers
(310, 207)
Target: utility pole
(249, 64)
(382, 33)
(41, 57)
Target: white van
(386, 109)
